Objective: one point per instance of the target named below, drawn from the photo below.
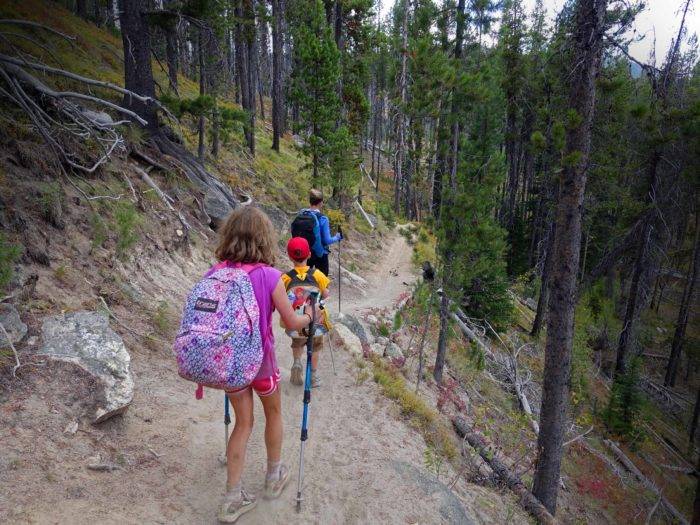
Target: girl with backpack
(248, 242)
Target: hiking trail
(363, 463)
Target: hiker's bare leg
(272, 405)
(242, 403)
(297, 351)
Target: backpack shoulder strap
(310, 276)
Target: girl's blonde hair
(247, 237)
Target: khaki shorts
(299, 342)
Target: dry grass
(420, 416)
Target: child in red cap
(299, 283)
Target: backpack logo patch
(206, 305)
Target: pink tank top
(264, 279)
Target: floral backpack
(219, 343)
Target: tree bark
(171, 57)
(138, 74)
(277, 67)
(400, 125)
(696, 503)
(684, 310)
(442, 338)
(694, 424)
(81, 9)
(586, 41)
(638, 293)
(202, 91)
(244, 33)
(544, 283)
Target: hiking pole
(330, 345)
(330, 342)
(227, 422)
(340, 278)
(307, 396)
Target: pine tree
(314, 92)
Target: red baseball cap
(298, 248)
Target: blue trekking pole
(307, 397)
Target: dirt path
(363, 464)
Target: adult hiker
(314, 226)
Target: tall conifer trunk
(684, 310)
(277, 66)
(138, 73)
(400, 125)
(586, 39)
(446, 214)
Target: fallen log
(605, 459)
(469, 334)
(364, 214)
(646, 482)
(528, 501)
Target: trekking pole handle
(313, 296)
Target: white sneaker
(233, 508)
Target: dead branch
(92, 197)
(42, 88)
(646, 482)
(14, 350)
(131, 186)
(580, 436)
(652, 511)
(125, 327)
(605, 459)
(148, 180)
(78, 78)
(528, 501)
(37, 25)
(142, 156)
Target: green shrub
(51, 202)
(162, 319)
(61, 273)
(383, 329)
(386, 212)
(624, 415)
(127, 220)
(9, 253)
(398, 321)
(99, 230)
(337, 220)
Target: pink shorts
(263, 386)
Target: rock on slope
(85, 339)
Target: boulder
(216, 206)
(280, 219)
(382, 341)
(377, 349)
(372, 319)
(99, 117)
(531, 304)
(344, 337)
(356, 326)
(15, 328)
(86, 340)
(393, 350)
